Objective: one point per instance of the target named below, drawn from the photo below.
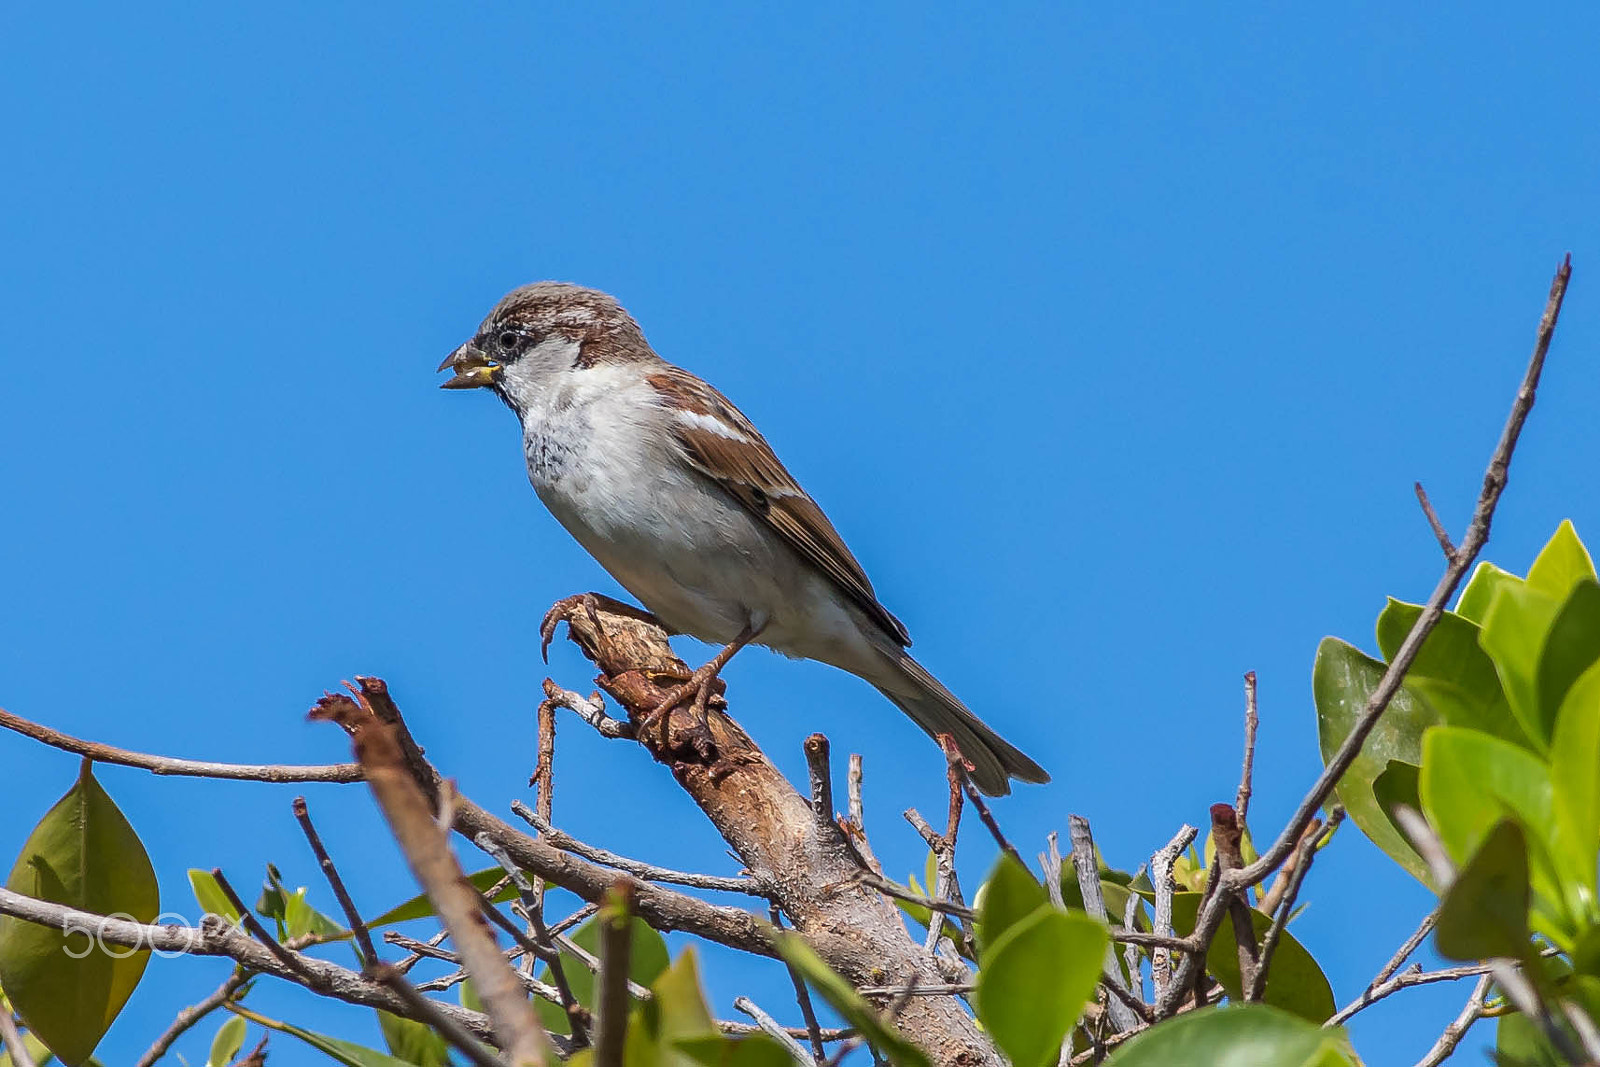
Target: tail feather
(934, 708)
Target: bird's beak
(473, 369)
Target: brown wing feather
(744, 464)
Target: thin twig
(591, 710)
(1161, 876)
(1252, 720)
(428, 1012)
(291, 960)
(644, 871)
(1280, 884)
(855, 824)
(1419, 935)
(302, 814)
(544, 775)
(426, 847)
(1433, 522)
(975, 798)
(11, 1040)
(1051, 860)
(1130, 952)
(1494, 483)
(1458, 1028)
(1406, 979)
(100, 753)
(816, 750)
(802, 995)
(1087, 865)
(189, 1017)
(1228, 834)
(539, 939)
(1302, 865)
(775, 1030)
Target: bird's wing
(723, 445)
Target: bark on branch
(808, 864)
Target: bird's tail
(934, 708)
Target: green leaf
(715, 1050)
(1295, 982)
(1010, 894)
(346, 1052)
(413, 1042)
(1342, 680)
(848, 1003)
(208, 894)
(1484, 912)
(1471, 781)
(1473, 603)
(647, 960)
(1575, 783)
(420, 907)
(1398, 786)
(1513, 635)
(1451, 673)
(1036, 978)
(1570, 649)
(84, 854)
(677, 1010)
(1562, 563)
(226, 1045)
(300, 919)
(1250, 1035)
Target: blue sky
(1111, 339)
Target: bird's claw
(562, 611)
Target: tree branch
(337, 772)
(426, 847)
(1494, 483)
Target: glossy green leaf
(84, 854)
(346, 1052)
(1571, 648)
(1010, 894)
(1471, 781)
(1484, 912)
(1575, 782)
(1295, 982)
(1398, 787)
(1451, 673)
(848, 1003)
(413, 1042)
(300, 919)
(716, 1050)
(1342, 680)
(208, 894)
(1250, 1035)
(226, 1044)
(1562, 563)
(1473, 604)
(1513, 635)
(1035, 980)
(647, 959)
(420, 907)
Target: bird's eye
(508, 340)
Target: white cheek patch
(710, 424)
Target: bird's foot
(694, 735)
(562, 611)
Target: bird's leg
(698, 687)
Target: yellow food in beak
(473, 369)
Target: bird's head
(540, 331)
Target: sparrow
(675, 493)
